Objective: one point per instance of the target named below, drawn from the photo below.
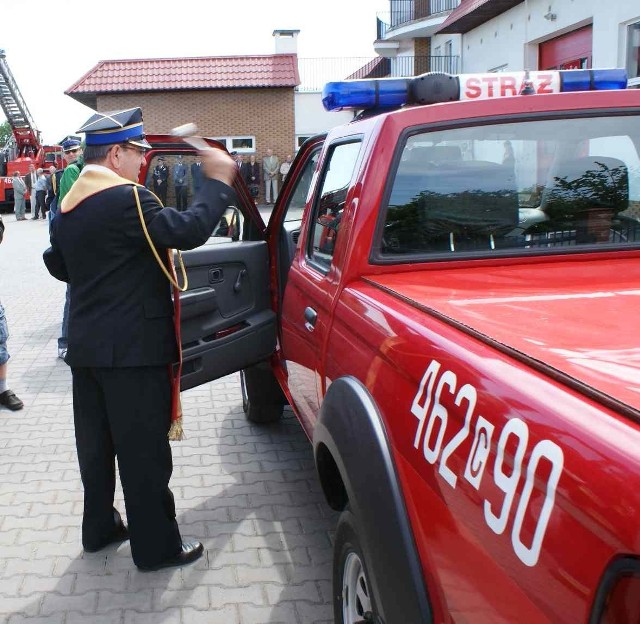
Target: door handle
(238, 285)
(310, 318)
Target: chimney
(286, 41)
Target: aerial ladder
(24, 147)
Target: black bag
(254, 189)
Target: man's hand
(218, 165)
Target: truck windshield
(516, 188)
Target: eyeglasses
(141, 151)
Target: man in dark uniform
(122, 335)
(161, 180)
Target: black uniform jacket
(121, 311)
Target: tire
(262, 397)
(352, 597)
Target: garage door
(570, 51)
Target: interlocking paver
(248, 492)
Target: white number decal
(467, 393)
(420, 411)
(552, 452)
(511, 448)
(507, 483)
(479, 452)
(438, 413)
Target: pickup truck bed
(568, 317)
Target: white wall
(512, 38)
(311, 118)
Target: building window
(633, 51)
(240, 144)
(448, 48)
(300, 139)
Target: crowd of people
(271, 172)
(263, 178)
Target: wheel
(353, 602)
(262, 397)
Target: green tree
(5, 133)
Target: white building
(510, 35)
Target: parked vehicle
(446, 296)
(25, 146)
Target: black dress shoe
(120, 534)
(10, 400)
(190, 552)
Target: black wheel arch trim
(351, 429)
(619, 568)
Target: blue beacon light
(434, 87)
(359, 94)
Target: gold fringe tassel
(176, 432)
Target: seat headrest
(434, 154)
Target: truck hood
(576, 316)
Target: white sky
(51, 44)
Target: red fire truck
(24, 147)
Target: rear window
(516, 187)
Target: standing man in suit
(161, 180)
(180, 183)
(270, 167)
(196, 175)
(122, 340)
(250, 173)
(31, 180)
(19, 191)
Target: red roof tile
(213, 72)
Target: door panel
(227, 322)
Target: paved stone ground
(248, 492)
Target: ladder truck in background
(24, 147)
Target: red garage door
(570, 51)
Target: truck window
(516, 188)
(330, 202)
(295, 208)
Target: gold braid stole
(176, 431)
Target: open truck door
(227, 322)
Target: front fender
(350, 431)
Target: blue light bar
(593, 79)
(437, 87)
(361, 94)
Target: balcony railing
(316, 72)
(405, 11)
(381, 29)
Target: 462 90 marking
(433, 420)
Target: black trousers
(125, 413)
(161, 192)
(181, 197)
(40, 207)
